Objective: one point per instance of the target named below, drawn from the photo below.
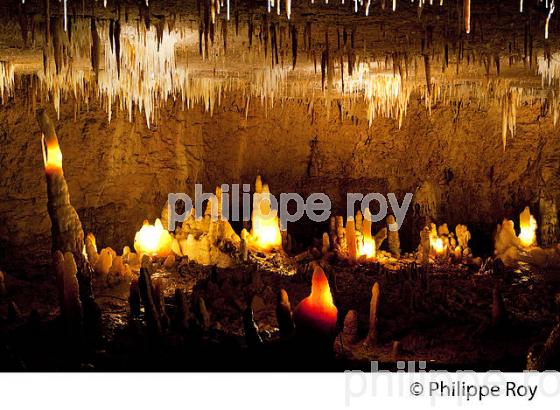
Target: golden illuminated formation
(265, 231)
(317, 312)
(52, 156)
(153, 240)
(528, 228)
(367, 248)
(438, 245)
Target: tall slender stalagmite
(371, 339)
(66, 228)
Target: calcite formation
(66, 229)
(372, 336)
(284, 314)
(393, 240)
(207, 241)
(512, 249)
(68, 289)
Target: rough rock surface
(120, 173)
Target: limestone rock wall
(120, 172)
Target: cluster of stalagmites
(206, 240)
(354, 241)
(512, 248)
(107, 264)
(439, 243)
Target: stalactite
(117, 40)
(294, 46)
(95, 47)
(57, 44)
(509, 103)
(467, 15)
(550, 11)
(323, 68)
(7, 80)
(428, 71)
(250, 32)
(224, 35)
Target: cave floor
(442, 315)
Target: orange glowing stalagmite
(316, 314)
(52, 156)
(265, 232)
(153, 240)
(528, 228)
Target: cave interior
(109, 106)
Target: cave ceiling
(365, 55)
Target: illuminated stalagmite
(66, 229)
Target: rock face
(120, 173)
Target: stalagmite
(351, 239)
(528, 228)
(153, 240)
(326, 244)
(147, 297)
(349, 333)
(91, 249)
(380, 237)
(284, 314)
(182, 317)
(463, 236)
(265, 225)
(244, 249)
(134, 300)
(66, 228)
(371, 339)
(202, 313)
(104, 262)
(68, 289)
(366, 226)
(393, 238)
(315, 316)
(425, 245)
(359, 221)
(506, 243)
